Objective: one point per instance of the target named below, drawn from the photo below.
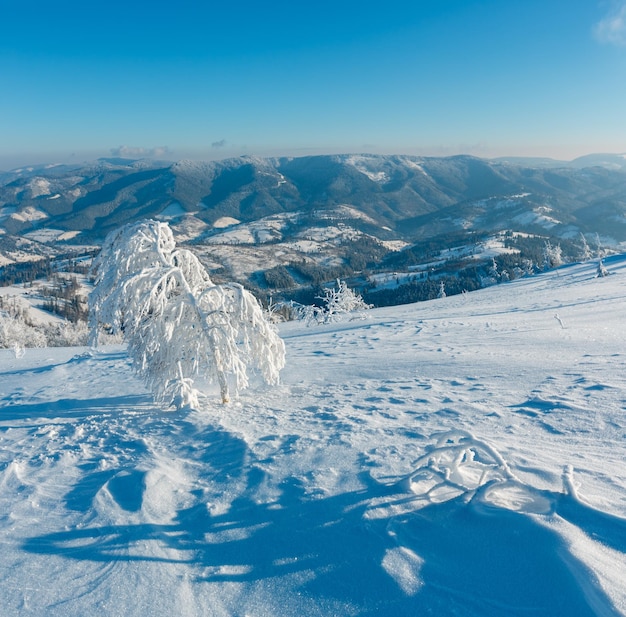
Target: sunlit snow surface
(464, 456)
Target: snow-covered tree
(600, 252)
(552, 256)
(442, 290)
(176, 321)
(601, 270)
(586, 253)
(493, 270)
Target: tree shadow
(605, 528)
(109, 356)
(74, 408)
(487, 560)
(470, 559)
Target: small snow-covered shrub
(176, 321)
(337, 302)
(311, 314)
(280, 312)
(341, 300)
(601, 271)
(16, 333)
(67, 334)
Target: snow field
(463, 456)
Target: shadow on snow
(472, 559)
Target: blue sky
(200, 79)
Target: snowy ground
(464, 456)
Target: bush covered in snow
(14, 331)
(18, 330)
(337, 302)
(341, 300)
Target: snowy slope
(463, 456)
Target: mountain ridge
(393, 187)
(318, 217)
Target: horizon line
(67, 159)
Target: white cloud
(612, 29)
(134, 152)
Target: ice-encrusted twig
(459, 461)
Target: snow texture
(463, 456)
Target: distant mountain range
(609, 161)
(303, 220)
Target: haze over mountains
(340, 214)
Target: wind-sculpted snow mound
(459, 465)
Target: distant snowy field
(464, 456)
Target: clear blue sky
(204, 79)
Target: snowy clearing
(463, 456)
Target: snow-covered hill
(463, 456)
